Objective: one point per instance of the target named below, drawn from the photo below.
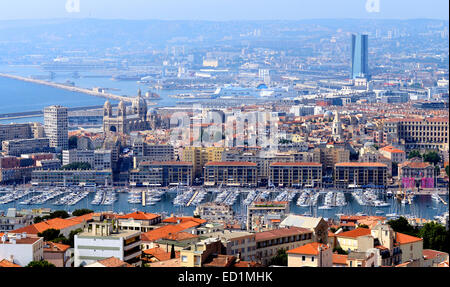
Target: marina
(183, 200)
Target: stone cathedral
(125, 121)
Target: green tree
(71, 240)
(76, 166)
(402, 225)
(50, 234)
(414, 153)
(447, 170)
(59, 214)
(80, 212)
(37, 219)
(339, 250)
(435, 237)
(41, 264)
(363, 226)
(432, 157)
(280, 259)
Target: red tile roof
(160, 254)
(113, 262)
(355, 233)
(281, 232)
(361, 164)
(7, 263)
(55, 247)
(340, 259)
(139, 215)
(405, 239)
(175, 219)
(230, 163)
(309, 249)
(431, 254)
(54, 223)
(295, 164)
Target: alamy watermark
(73, 6)
(214, 128)
(373, 6)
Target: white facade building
(21, 249)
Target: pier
(192, 198)
(71, 88)
(143, 198)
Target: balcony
(131, 246)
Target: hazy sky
(223, 10)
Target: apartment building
(58, 254)
(354, 174)
(71, 177)
(269, 242)
(13, 220)
(21, 249)
(98, 159)
(231, 174)
(394, 154)
(56, 126)
(197, 254)
(215, 212)
(168, 173)
(413, 173)
(238, 243)
(310, 255)
(21, 146)
(15, 131)
(296, 174)
(418, 133)
(103, 239)
(257, 211)
(199, 156)
(143, 151)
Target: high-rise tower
(360, 48)
(56, 127)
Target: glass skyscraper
(360, 66)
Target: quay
(70, 88)
(192, 198)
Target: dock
(192, 198)
(443, 201)
(71, 88)
(143, 197)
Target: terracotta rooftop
(295, 164)
(113, 262)
(281, 232)
(230, 163)
(413, 164)
(361, 164)
(340, 259)
(405, 239)
(54, 223)
(309, 249)
(160, 254)
(431, 254)
(175, 219)
(139, 215)
(55, 247)
(355, 233)
(7, 263)
(391, 149)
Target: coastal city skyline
(246, 141)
